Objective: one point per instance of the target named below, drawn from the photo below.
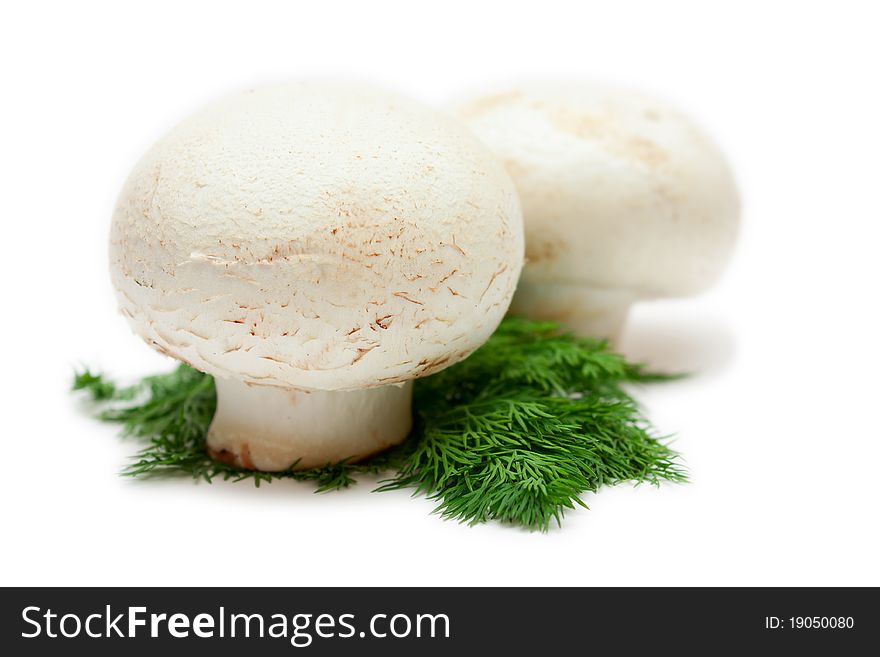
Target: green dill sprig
(517, 432)
(526, 425)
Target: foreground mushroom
(315, 247)
(623, 199)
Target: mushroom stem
(271, 428)
(585, 310)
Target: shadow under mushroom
(696, 345)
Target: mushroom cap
(318, 236)
(619, 190)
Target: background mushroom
(315, 247)
(623, 197)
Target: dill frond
(517, 432)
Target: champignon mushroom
(315, 247)
(623, 197)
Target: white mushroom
(623, 199)
(315, 247)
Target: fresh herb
(517, 432)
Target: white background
(780, 428)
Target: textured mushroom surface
(317, 236)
